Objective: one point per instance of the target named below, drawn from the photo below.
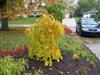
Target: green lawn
(74, 45)
(29, 20)
(12, 39)
(16, 37)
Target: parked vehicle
(88, 26)
(36, 14)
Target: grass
(74, 45)
(13, 39)
(17, 37)
(29, 20)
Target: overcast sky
(76, 1)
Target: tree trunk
(4, 24)
(4, 19)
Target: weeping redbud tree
(43, 36)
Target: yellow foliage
(43, 36)
(49, 1)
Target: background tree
(84, 6)
(57, 9)
(9, 10)
(70, 7)
(98, 4)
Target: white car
(36, 14)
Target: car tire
(80, 33)
(76, 31)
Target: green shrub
(57, 10)
(98, 16)
(93, 16)
(10, 66)
(43, 36)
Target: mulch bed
(66, 67)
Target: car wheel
(80, 33)
(76, 31)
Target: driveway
(93, 44)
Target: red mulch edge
(19, 52)
(68, 31)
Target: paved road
(93, 44)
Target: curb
(90, 50)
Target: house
(89, 13)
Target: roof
(91, 11)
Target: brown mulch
(66, 67)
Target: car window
(89, 22)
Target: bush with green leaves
(43, 36)
(11, 66)
(98, 16)
(57, 10)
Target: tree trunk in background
(4, 24)
(4, 19)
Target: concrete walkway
(70, 22)
(93, 44)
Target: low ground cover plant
(11, 66)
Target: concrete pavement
(71, 23)
(93, 44)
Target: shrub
(96, 16)
(43, 36)
(10, 66)
(57, 10)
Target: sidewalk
(93, 44)
(19, 25)
(71, 23)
